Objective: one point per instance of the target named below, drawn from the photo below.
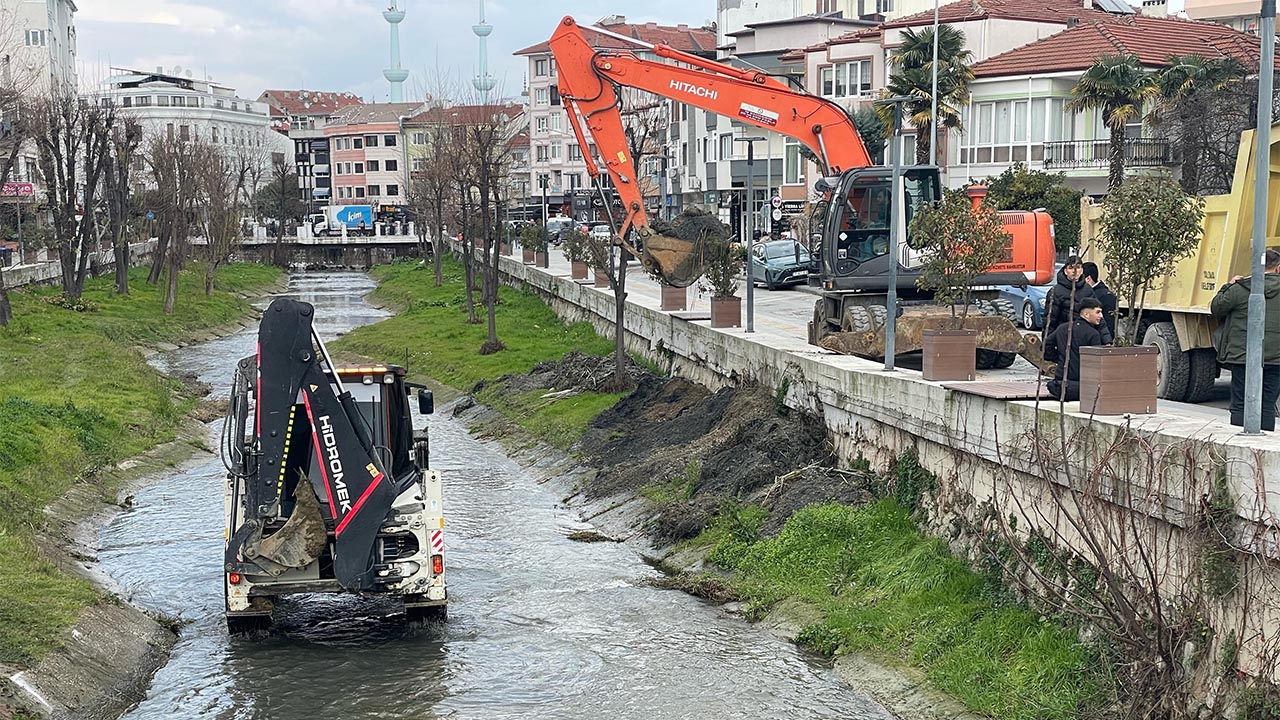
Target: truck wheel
(856, 319)
(1204, 372)
(818, 328)
(1005, 360)
(1173, 366)
(1004, 308)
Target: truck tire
(856, 319)
(1173, 366)
(1204, 373)
(818, 325)
(1000, 306)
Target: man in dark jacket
(1108, 300)
(1231, 307)
(1063, 301)
(1063, 347)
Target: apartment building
(302, 115)
(39, 39)
(735, 16)
(368, 158)
(421, 129)
(1239, 15)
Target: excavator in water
(329, 487)
(850, 252)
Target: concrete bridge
(1145, 480)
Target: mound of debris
(577, 371)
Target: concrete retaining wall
(51, 272)
(1006, 457)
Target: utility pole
(1262, 177)
(895, 228)
(751, 225)
(933, 117)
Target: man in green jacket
(1231, 307)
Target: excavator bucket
(677, 262)
(301, 539)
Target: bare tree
(15, 116)
(285, 203)
(463, 171)
(173, 163)
(72, 141)
(489, 139)
(429, 182)
(221, 181)
(125, 139)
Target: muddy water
(539, 627)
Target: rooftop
(697, 40)
(1152, 39)
(375, 113)
(464, 114)
(308, 102)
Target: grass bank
(77, 396)
(432, 336)
(885, 590)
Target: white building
(733, 16)
(1238, 14)
(39, 38)
(190, 109)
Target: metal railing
(1138, 152)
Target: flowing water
(539, 626)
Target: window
(393, 190)
(184, 132)
(35, 38)
(791, 162)
(374, 191)
(874, 7)
(540, 68)
(541, 153)
(127, 102)
(828, 81)
(555, 151)
(219, 104)
(391, 165)
(356, 143)
(555, 95)
(575, 181)
(359, 168)
(371, 141)
(360, 192)
(575, 152)
(827, 6)
(143, 101)
(846, 79)
(541, 96)
(162, 101)
(235, 106)
(726, 146)
(214, 132)
(1012, 130)
(169, 130)
(419, 138)
(389, 141)
(541, 123)
(418, 165)
(371, 165)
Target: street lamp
(751, 209)
(1257, 301)
(544, 181)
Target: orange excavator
(850, 258)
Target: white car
(601, 232)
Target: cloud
(151, 12)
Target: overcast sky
(338, 45)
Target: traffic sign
(776, 201)
(777, 214)
(151, 215)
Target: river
(539, 627)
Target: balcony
(1138, 152)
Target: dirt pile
(577, 371)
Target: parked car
(1029, 302)
(601, 232)
(556, 228)
(779, 263)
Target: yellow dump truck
(1176, 315)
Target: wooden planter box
(1118, 380)
(540, 259)
(726, 312)
(950, 355)
(602, 279)
(506, 248)
(527, 255)
(674, 298)
(579, 270)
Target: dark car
(779, 263)
(557, 227)
(1029, 302)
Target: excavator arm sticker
(315, 438)
(356, 508)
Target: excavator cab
(854, 249)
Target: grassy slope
(432, 330)
(887, 590)
(74, 397)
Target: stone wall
(51, 272)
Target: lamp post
(544, 180)
(933, 117)
(895, 227)
(1257, 301)
(751, 211)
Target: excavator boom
(590, 80)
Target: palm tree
(913, 77)
(1187, 92)
(1116, 85)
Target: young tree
(125, 140)
(961, 241)
(1117, 86)
(283, 200)
(487, 141)
(913, 76)
(221, 181)
(174, 167)
(1020, 188)
(1148, 226)
(462, 169)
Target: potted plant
(961, 238)
(575, 251)
(723, 267)
(533, 240)
(1148, 226)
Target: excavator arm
(590, 80)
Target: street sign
(18, 189)
(775, 201)
(151, 215)
(777, 214)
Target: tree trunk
(468, 261)
(924, 140)
(6, 311)
(67, 262)
(1116, 174)
(171, 292)
(121, 250)
(209, 271)
(438, 246)
(620, 379)
(490, 250)
(162, 250)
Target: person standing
(1231, 308)
(1063, 301)
(1108, 299)
(1063, 348)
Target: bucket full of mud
(677, 253)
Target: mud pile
(577, 371)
